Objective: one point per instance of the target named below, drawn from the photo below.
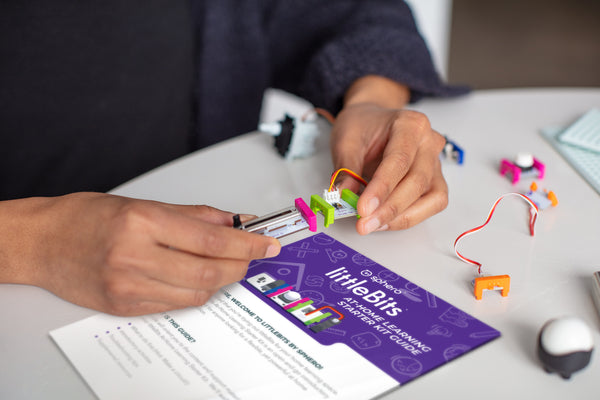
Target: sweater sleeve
(341, 41)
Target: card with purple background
(337, 295)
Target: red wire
(532, 219)
(350, 172)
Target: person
(95, 93)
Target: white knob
(290, 296)
(524, 160)
(566, 335)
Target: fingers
(216, 241)
(133, 304)
(431, 203)
(140, 295)
(348, 154)
(349, 182)
(407, 186)
(129, 257)
(172, 228)
(406, 134)
(205, 213)
(405, 211)
(402, 152)
(174, 260)
(161, 278)
(185, 270)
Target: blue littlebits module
(453, 152)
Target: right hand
(125, 256)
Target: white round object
(566, 335)
(291, 296)
(524, 160)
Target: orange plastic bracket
(496, 282)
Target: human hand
(125, 256)
(398, 151)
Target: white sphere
(524, 160)
(566, 335)
(291, 296)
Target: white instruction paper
(234, 347)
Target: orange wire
(325, 114)
(322, 112)
(350, 172)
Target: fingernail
(272, 251)
(372, 205)
(384, 227)
(247, 217)
(372, 225)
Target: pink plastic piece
(280, 291)
(515, 171)
(537, 164)
(307, 213)
(507, 166)
(294, 304)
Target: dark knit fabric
(94, 93)
(311, 48)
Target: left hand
(397, 151)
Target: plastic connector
(537, 169)
(307, 213)
(331, 197)
(350, 197)
(496, 282)
(542, 198)
(453, 152)
(318, 204)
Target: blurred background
(490, 44)
(513, 43)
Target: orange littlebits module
(496, 282)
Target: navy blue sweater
(95, 93)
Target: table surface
(551, 273)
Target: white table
(550, 273)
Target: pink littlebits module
(307, 213)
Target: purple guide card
(336, 295)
